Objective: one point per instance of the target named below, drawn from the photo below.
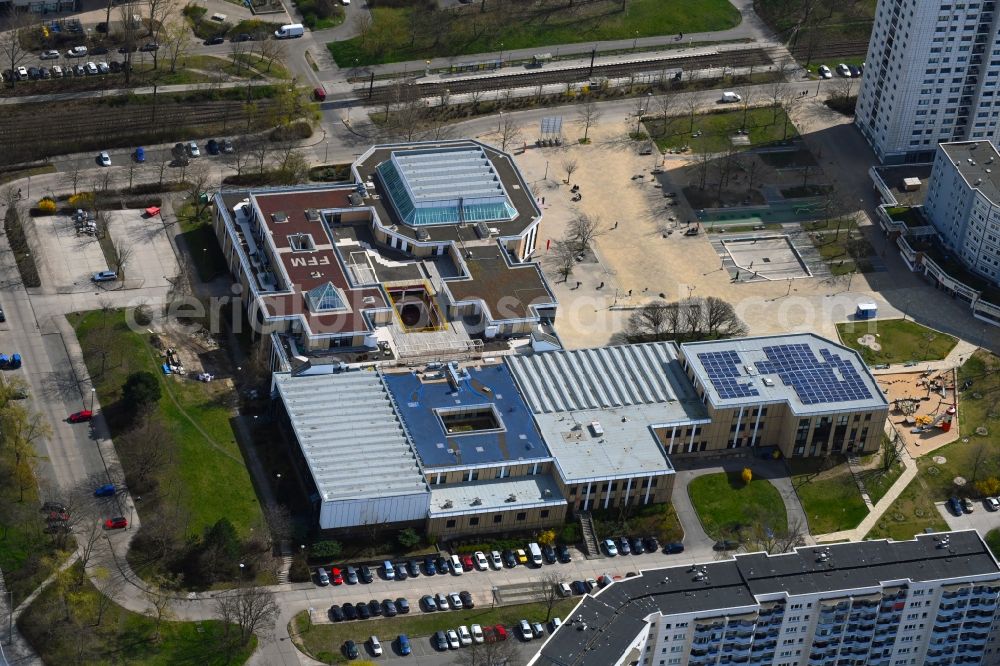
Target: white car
(453, 642)
(22, 73)
(495, 560)
(729, 97)
(565, 590)
(824, 72)
(91, 68)
(464, 637)
(844, 70)
(104, 158)
(525, 628)
(50, 55)
(345, 2)
(481, 562)
(321, 575)
(57, 71)
(477, 634)
(77, 52)
(556, 623)
(375, 646)
(610, 548)
(992, 503)
(193, 149)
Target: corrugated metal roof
(563, 381)
(349, 435)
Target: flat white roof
(520, 492)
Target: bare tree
(569, 165)
(588, 114)
(12, 49)
(252, 609)
(271, 51)
(548, 589)
(109, 586)
(664, 106)
(651, 322)
(691, 106)
(176, 42)
(510, 133)
(497, 653)
(562, 257)
(238, 52)
(584, 229)
(747, 95)
(129, 34)
(777, 92)
(121, 253)
(160, 610)
(720, 319)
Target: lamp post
(494, 590)
(500, 122)
(501, 54)
(93, 391)
(636, 40)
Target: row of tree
(687, 320)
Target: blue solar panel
(723, 370)
(815, 381)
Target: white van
(536, 554)
(730, 97)
(289, 31)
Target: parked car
(49, 55)
(79, 70)
(562, 551)
(430, 569)
(466, 598)
(673, 548)
(967, 506)
(525, 629)
(457, 568)
(855, 71)
(322, 577)
(824, 72)
(537, 629)
(351, 650)
(57, 71)
(132, 48)
(375, 646)
(591, 584)
(22, 73)
(565, 590)
(104, 276)
(522, 557)
(481, 562)
(404, 644)
(453, 642)
(555, 623)
(991, 503)
(81, 416)
(375, 608)
(637, 547)
(464, 635)
(549, 554)
(610, 548)
(623, 546)
(92, 69)
(389, 608)
(366, 574)
(336, 613)
(467, 563)
(726, 544)
(443, 566)
(77, 52)
(401, 573)
(477, 634)
(104, 159)
(364, 612)
(44, 73)
(116, 523)
(501, 632)
(844, 70)
(955, 506)
(428, 604)
(242, 37)
(227, 146)
(351, 576)
(99, 50)
(192, 148)
(212, 147)
(402, 605)
(442, 601)
(212, 41)
(454, 600)
(489, 634)
(336, 576)
(440, 640)
(579, 587)
(149, 47)
(350, 612)
(495, 561)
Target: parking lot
(68, 258)
(153, 261)
(980, 519)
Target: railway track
(527, 78)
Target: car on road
(103, 158)
(192, 148)
(991, 503)
(525, 629)
(428, 604)
(128, 49)
(336, 576)
(99, 50)
(481, 562)
(77, 52)
(351, 650)
(107, 490)
(967, 505)
(322, 577)
(375, 646)
(404, 644)
(477, 633)
(336, 613)
(49, 55)
(844, 70)
(464, 635)
(140, 154)
(466, 598)
(610, 548)
(366, 574)
(729, 97)
(81, 416)
(242, 37)
(562, 551)
(104, 276)
(673, 548)
(212, 147)
(213, 41)
(824, 72)
(149, 47)
(440, 640)
(453, 642)
(495, 561)
(116, 523)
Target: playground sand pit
(870, 341)
(920, 401)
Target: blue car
(404, 644)
(107, 490)
(140, 154)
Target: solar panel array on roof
(815, 381)
(723, 370)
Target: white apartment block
(931, 76)
(963, 204)
(931, 601)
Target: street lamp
(500, 122)
(93, 391)
(501, 54)
(636, 40)
(494, 590)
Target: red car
(467, 563)
(489, 634)
(336, 576)
(116, 523)
(81, 416)
(501, 632)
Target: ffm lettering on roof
(311, 261)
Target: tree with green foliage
(325, 549)
(408, 538)
(141, 391)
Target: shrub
(194, 12)
(547, 538)
(747, 475)
(300, 129)
(82, 200)
(570, 533)
(141, 390)
(299, 572)
(988, 487)
(408, 538)
(325, 549)
(47, 206)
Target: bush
(408, 538)
(300, 129)
(324, 550)
(22, 252)
(47, 206)
(82, 200)
(747, 475)
(547, 538)
(299, 571)
(570, 533)
(142, 315)
(194, 12)
(141, 390)
(988, 487)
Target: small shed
(866, 311)
(911, 184)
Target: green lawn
(901, 340)
(877, 482)
(843, 249)
(725, 504)
(207, 472)
(322, 641)
(974, 460)
(830, 498)
(62, 625)
(422, 31)
(660, 520)
(993, 541)
(766, 125)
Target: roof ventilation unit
(312, 215)
(423, 235)
(447, 504)
(476, 501)
(279, 217)
(482, 230)
(511, 498)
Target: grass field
(64, 627)
(878, 483)
(724, 503)
(322, 641)
(901, 340)
(766, 126)
(993, 541)
(830, 498)
(842, 248)
(201, 242)
(423, 31)
(974, 460)
(196, 415)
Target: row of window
(473, 521)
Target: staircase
(590, 546)
(283, 568)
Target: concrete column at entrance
(586, 498)
(607, 494)
(673, 433)
(694, 429)
(649, 487)
(756, 425)
(628, 490)
(739, 422)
